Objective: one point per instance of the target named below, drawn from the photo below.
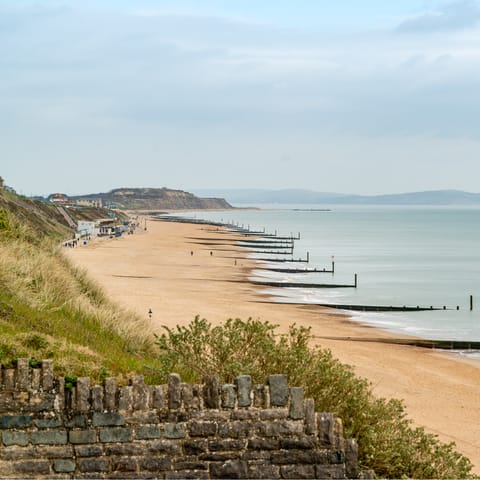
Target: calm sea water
(403, 256)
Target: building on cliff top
(59, 199)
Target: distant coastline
(311, 209)
(310, 197)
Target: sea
(403, 256)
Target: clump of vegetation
(11, 228)
(4, 223)
(387, 441)
(70, 381)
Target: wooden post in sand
(471, 302)
(356, 278)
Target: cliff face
(32, 219)
(157, 198)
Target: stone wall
(167, 431)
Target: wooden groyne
(194, 221)
(461, 345)
(291, 237)
(256, 234)
(298, 270)
(283, 260)
(266, 252)
(373, 308)
(266, 241)
(269, 235)
(303, 285)
(266, 246)
(212, 244)
(381, 308)
(228, 226)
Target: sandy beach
(181, 270)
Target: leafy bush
(387, 441)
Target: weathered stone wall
(165, 431)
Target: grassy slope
(50, 309)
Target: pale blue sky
(348, 96)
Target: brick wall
(167, 431)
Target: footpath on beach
(170, 273)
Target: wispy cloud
(458, 15)
(172, 67)
(84, 83)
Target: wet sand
(181, 270)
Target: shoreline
(397, 336)
(168, 270)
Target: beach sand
(181, 270)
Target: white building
(102, 227)
(90, 202)
(86, 228)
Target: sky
(348, 96)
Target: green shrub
(70, 381)
(387, 441)
(4, 223)
(34, 363)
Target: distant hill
(298, 196)
(155, 199)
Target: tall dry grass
(46, 280)
(42, 293)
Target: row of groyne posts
(272, 244)
(280, 249)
